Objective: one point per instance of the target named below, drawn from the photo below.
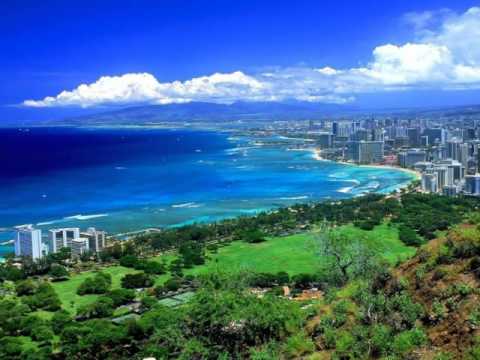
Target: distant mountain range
(207, 112)
(241, 112)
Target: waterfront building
(430, 182)
(472, 184)
(28, 242)
(325, 140)
(410, 157)
(450, 190)
(79, 246)
(95, 238)
(60, 238)
(365, 152)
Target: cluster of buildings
(35, 244)
(445, 151)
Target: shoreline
(317, 155)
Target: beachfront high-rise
(95, 238)
(60, 238)
(28, 242)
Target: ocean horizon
(123, 179)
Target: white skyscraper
(28, 242)
(60, 238)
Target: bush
(253, 236)
(136, 281)
(408, 236)
(408, 340)
(263, 280)
(60, 320)
(44, 298)
(103, 307)
(172, 284)
(381, 340)
(153, 267)
(298, 345)
(344, 344)
(121, 296)
(303, 280)
(99, 284)
(129, 261)
(58, 272)
(25, 287)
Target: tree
(102, 307)
(136, 281)
(99, 284)
(25, 287)
(60, 320)
(252, 236)
(58, 272)
(121, 296)
(154, 268)
(343, 258)
(129, 261)
(408, 236)
(44, 298)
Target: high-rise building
(409, 158)
(454, 149)
(95, 238)
(60, 238)
(472, 184)
(28, 242)
(435, 135)
(365, 152)
(430, 182)
(79, 246)
(413, 136)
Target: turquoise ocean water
(123, 180)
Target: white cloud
(445, 54)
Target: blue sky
(369, 53)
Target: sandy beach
(317, 155)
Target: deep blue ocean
(122, 180)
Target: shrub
(25, 287)
(44, 298)
(121, 296)
(98, 284)
(58, 272)
(172, 284)
(253, 236)
(102, 307)
(153, 267)
(408, 340)
(136, 281)
(381, 340)
(298, 345)
(409, 236)
(344, 344)
(129, 261)
(303, 280)
(60, 320)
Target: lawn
(67, 290)
(383, 239)
(297, 253)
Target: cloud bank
(445, 54)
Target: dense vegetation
(354, 305)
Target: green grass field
(67, 290)
(293, 254)
(297, 253)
